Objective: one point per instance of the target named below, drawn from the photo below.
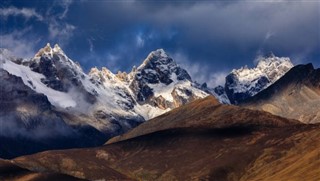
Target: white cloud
(25, 12)
(112, 61)
(217, 78)
(65, 4)
(200, 72)
(139, 40)
(90, 44)
(18, 44)
(268, 35)
(60, 31)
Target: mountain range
(96, 106)
(50, 86)
(151, 122)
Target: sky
(207, 38)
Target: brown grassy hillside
(199, 141)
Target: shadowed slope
(206, 113)
(9, 171)
(199, 141)
(296, 95)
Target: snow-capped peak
(49, 51)
(103, 75)
(44, 51)
(160, 52)
(57, 49)
(160, 81)
(246, 82)
(269, 66)
(158, 55)
(114, 102)
(273, 62)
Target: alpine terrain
(169, 90)
(49, 98)
(155, 122)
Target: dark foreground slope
(295, 95)
(9, 171)
(199, 141)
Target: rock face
(61, 73)
(159, 81)
(156, 86)
(244, 83)
(295, 95)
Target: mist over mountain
(54, 98)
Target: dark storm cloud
(209, 38)
(221, 36)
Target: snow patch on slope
(164, 90)
(33, 80)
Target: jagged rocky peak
(160, 82)
(272, 64)
(247, 82)
(61, 73)
(49, 51)
(57, 49)
(158, 55)
(106, 74)
(94, 71)
(123, 76)
(55, 55)
(160, 67)
(45, 50)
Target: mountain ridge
(244, 83)
(261, 147)
(101, 104)
(299, 89)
